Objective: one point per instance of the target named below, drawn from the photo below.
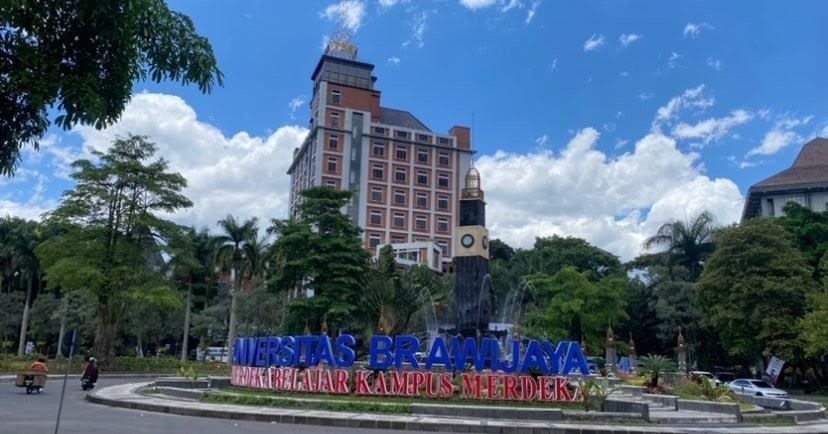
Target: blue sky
(597, 119)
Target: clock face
(485, 242)
(467, 240)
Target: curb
(389, 422)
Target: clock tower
(471, 261)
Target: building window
(771, 210)
(336, 97)
(335, 120)
(377, 172)
(397, 239)
(374, 240)
(422, 155)
(379, 149)
(443, 159)
(399, 197)
(443, 247)
(331, 183)
(442, 202)
(376, 217)
(423, 138)
(402, 152)
(376, 194)
(444, 141)
(399, 220)
(422, 177)
(422, 200)
(333, 142)
(443, 180)
(379, 130)
(400, 134)
(331, 165)
(442, 225)
(400, 174)
(421, 223)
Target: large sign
(398, 367)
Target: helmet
(93, 360)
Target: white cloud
(394, 60)
(690, 98)
(627, 39)
(554, 64)
(594, 42)
(694, 29)
(419, 25)
(541, 141)
(584, 193)
(644, 96)
(530, 14)
(348, 13)
(714, 63)
(240, 174)
(477, 4)
(774, 141)
(389, 3)
(295, 104)
(624, 74)
(511, 5)
(780, 135)
(712, 129)
(672, 61)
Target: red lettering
(432, 388)
(341, 385)
(362, 387)
(491, 387)
(547, 392)
(289, 382)
(471, 386)
(326, 385)
(380, 385)
(418, 379)
(561, 391)
(446, 385)
(510, 388)
(276, 379)
(399, 383)
(528, 388)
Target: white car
(709, 376)
(746, 386)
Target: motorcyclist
(39, 365)
(90, 374)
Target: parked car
(708, 375)
(725, 377)
(749, 386)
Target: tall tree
(810, 231)
(753, 290)
(81, 57)
(232, 241)
(26, 238)
(570, 306)
(321, 251)
(112, 248)
(192, 263)
(687, 243)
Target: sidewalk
(10, 378)
(126, 396)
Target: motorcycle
(87, 384)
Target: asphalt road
(36, 414)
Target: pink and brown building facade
(406, 177)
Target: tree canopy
(81, 57)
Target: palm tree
(236, 235)
(258, 255)
(21, 239)
(688, 242)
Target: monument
(471, 262)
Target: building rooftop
(810, 167)
(401, 118)
(809, 172)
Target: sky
(595, 119)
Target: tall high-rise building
(406, 178)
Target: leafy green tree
(753, 290)
(549, 255)
(814, 327)
(498, 249)
(81, 57)
(688, 243)
(111, 247)
(260, 312)
(673, 306)
(191, 261)
(810, 232)
(570, 306)
(236, 235)
(321, 251)
(655, 365)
